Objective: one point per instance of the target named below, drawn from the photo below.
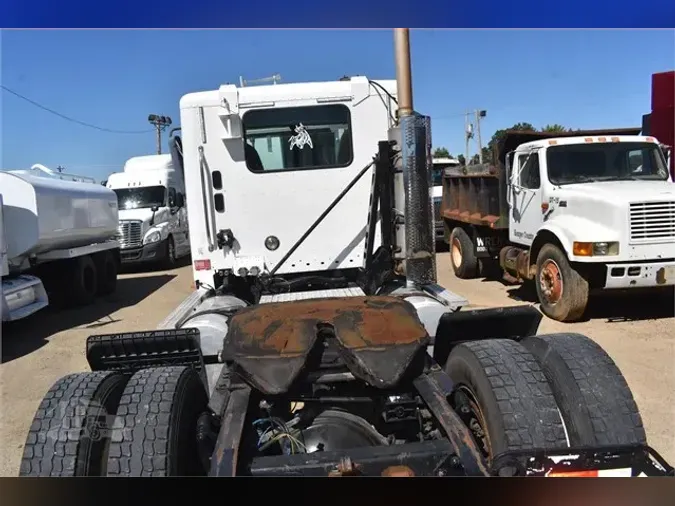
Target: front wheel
(170, 256)
(561, 290)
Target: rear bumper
(640, 275)
(154, 252)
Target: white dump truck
(58, 240)
(153, 223)
(317, 342)
(575, 212)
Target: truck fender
(564, 230)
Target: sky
(115, 78)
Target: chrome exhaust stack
(412, 190)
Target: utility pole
(479, 114)
(160, 123)
(468, 135)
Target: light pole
(479, 114)
(160, 123)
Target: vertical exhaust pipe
(415, 143)
(403, 72)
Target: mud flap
(515, 322)
(129, 352)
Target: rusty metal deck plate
(378, 338)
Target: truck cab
(438, 166)
(263, 162)
(153, 224)
(605, 203)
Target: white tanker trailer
(58, 240)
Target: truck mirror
(180, 201)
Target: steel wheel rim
(551, 281)
(472, 415)
(456, 252)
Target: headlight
(153, 237)
(595, 249)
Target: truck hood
(621, 191)
(137, 214)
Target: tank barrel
(414, 138)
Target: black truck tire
(156, 426)
(107, 273)
(83, 282)
(561, 290)
(504, 398)
(595, 401)
(170, 254)
(462, 254)
(70, 431)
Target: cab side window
(529, 171)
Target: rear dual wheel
(110, 424)
(70, 432)
(548, 392)
(462, 254)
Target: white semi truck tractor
(58, 240)
(153, 225)
(317, 342)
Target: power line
(68, 118)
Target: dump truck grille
(129, 234)
(652, 221)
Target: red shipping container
(663, 90)
(662, 126)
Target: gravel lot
(638, 333)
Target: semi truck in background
(660, 122)
(153, 220)
(438, 166)
(57, 237)
(576, 212)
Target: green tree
(488, 152)
(441, 152)
(555, 128)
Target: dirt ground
(638, 333)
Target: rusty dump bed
(476, 194)
(376, 337)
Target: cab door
(525, 197)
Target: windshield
(617, 161)
(437, 172)
(140, 198)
